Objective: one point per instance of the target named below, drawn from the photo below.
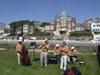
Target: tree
(44, 24)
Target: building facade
(28, 29)
(80, 27)
(19, 30)
(88, 23)
(50, 28)
(64, 23)
(37, 25)
(95, 25)
(4, 30)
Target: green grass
(8, 65)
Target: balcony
(62, 29)
(58, 25)
(63, 25)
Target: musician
(44, 52)
(19, 50)
(64, 52)
(73, 53)
(57, 49)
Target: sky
(45, 10)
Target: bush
(86, 49)
(11, 46)
(96, 32)
(80, 33)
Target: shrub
(80, 33)
(11, 46)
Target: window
(69, 23)
(73, 23)
(93, 25)
(65, 23)
(63, 28)
(64, 19)
(57, 23)
(24, 29)
(61, 23)
(58, 19)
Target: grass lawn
(8, 65)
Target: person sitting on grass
(73, 53)
(57, 49)
(19, 50)
(44, 52)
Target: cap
(72, 47)
(57, 45)
(64, 42)
(45, 39)
(19, 40)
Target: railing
(68, 41)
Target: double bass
(25, 60)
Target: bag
(82, 63)
(77, 60)
(76, 71)
(70, 73)
(67, 70)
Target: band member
(57, 49)
(19, 50)
(64, 52)
(44, 52)
(72, 52)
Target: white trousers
(63, 62)
(18, 59)
(56, 53)
(74, 59)
(43, 55)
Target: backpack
(70, 73)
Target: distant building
(50, 28)
(96, 37)
(37, 25)
(28, 29)
(64, 22)
(42, 29)
(88, 23)
(95, 25)
(19, 30)
(4, 29)
(80, 27)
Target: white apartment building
(95, 26)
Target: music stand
(33, 46)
